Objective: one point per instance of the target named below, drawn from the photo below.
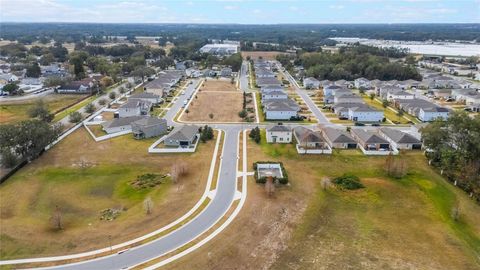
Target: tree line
(454, 148)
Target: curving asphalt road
(226, 187)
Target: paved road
(177, 106)
(303, 93)
(226, 188)
(66, 119)
(25, 97)
(243, 77)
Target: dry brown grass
(265, 54)
(83, 178)
(13, 111)
(219, 98)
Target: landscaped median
(125, 190)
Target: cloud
(336, 7)
(230, 7)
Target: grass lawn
(97, 130)
(15, 111)
(83, 178)
(391, 224)
(389, 114)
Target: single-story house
(184, 136)
(337, 138)
(369, 140)
(399, 139)
(311, 83)
(148, 127)
(119, 124)
(309, 139)
(279, 134)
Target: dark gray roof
(368, 136)
(150, 121)
(399, 136)
(337, 135)
(304, 135)
(144, 95)
(268, 81)
(281, 105)
(119, 122)
(279, 128)
(183, 133)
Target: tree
(148, 205)
(11, 89)
(372, 96)
(122, 90)
(78, 69)
(75, 117)
(106, 82)
(33, 70)
(90, 108)
(210, 115)
(243, 114)
(56, 219)
(9, 159)
(102, 101)
(179, 169)
(255, 134)
(385, 103)
(40, 111)
(142, 72)
(112, 95)
(206, 133)
(28, 138)
(270, 186)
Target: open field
(219, 98)
(390, 224)
(14, 111)
(267, 55)
(83, 178)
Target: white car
(182, 93)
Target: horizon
(242, 12)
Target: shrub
(348, 181)
(102, 101)
(112, 95)
(243, 114)
(75, 117)
(90, 108)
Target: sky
(241, 11)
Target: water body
(437, 48)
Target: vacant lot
(390, 224)
(82, 178)
(216, 101)
(264, 54)
(14, 111)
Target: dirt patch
(267, 55)
(218, 85)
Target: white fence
(152, 148)
(378, 153)
(302, 150)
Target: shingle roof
(305, 135)
(144, 95)
(279, 128)
(150, 121)
(368, 136)
(399, 136)
(338, 136)
(183, 133)
(123, 121)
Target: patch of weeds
(110, 214)
(348, 181)
(148, 180)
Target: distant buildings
(220, 49)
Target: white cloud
(336, 6)
(230, 7)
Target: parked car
(359, 124)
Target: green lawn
(389, 114)
(390, 224)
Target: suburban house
(119, 124)
(369, 140)
(424, 110)
(337, 138)
(148, 127)
(150, 97)
(283, 109)
(344, 83)
(77, 87)
(226, 72)
(164, 82)
(271, 88)
(392, 95)
(264, 73)
(270, 95)
(184, 136)
(279, 134)
(362, 84)
(311, 83)
(133, 108)
(329, 90)
(264, 81)
(399, 139)
(347, 98)
(8, 78)
(441, 93)
(365, 114)
(310, 141)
